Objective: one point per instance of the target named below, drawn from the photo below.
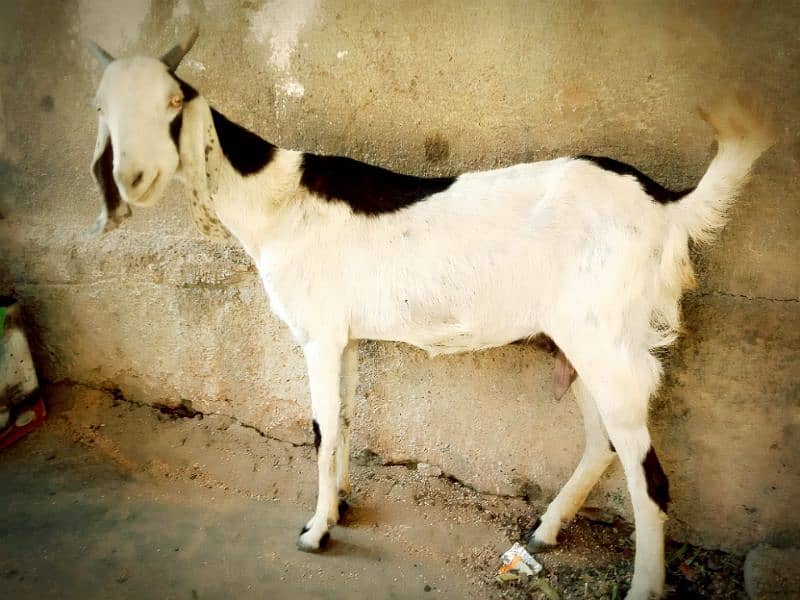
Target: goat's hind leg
(622, 401)
(597, 455)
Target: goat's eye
(175, 101)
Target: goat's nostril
(137, 179)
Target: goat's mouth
(147, 197)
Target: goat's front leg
(324, 359)
(348, 383)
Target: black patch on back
(104, 172)
(657, 482)
(367, 189)
(652, 188)
(247, 152)
(317, 434)
(175, 130)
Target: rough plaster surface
(429, 89)
(772, 573)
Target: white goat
(586, 250)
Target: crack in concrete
(260, 432)
(118, 396)
(231, 281)
(375, 459)
(718, 293)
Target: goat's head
(139, 105)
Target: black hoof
(343, 508)
(535, 545)
(533, 529)
(305, 547)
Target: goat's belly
(446, 336)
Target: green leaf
(547, 589)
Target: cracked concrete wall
(425, 88)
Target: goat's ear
(114, 208)
(103, 57)
(175, 54)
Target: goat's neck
(222, 201)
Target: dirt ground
(114, 499)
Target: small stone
(772, 573)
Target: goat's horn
(174, 56)
(104, 57)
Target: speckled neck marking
(202, 160)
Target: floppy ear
(114, 207)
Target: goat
(586, 250)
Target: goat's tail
(743, 133)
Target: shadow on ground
(112, 499)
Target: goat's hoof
(306, 543)
(344, 506)
(535, 545)
(642, 595)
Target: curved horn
(174, 56)
(104, 57)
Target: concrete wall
(426, 88)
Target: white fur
(561, 247)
